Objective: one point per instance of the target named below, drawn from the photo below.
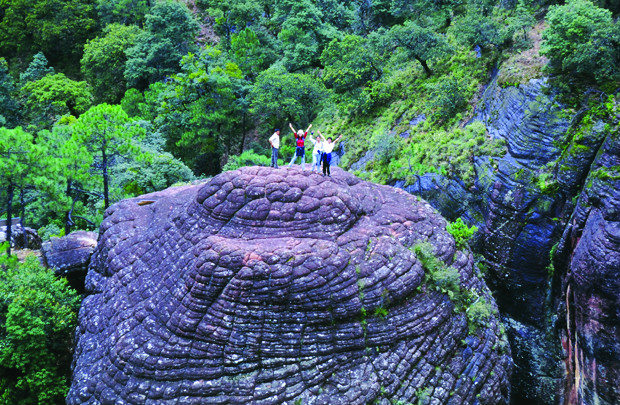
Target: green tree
(103, 63)
(232, 16)
(169, 34)
(583, 41)
(126, 12)
(59, 28)
(53, 96)
(160, 171)
(107, 131)
(74, 178)
(37, 69)
(476, 28)
(202, 111)
(22, 164)
(279, 97)
(39, 315)
(419, 43)
(245, 51)
(350, 63)
(302, 33)
(9, 107)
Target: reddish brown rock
(277, 286)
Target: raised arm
(337, 139)
(292, 129)
(309, 126)
(321, 135)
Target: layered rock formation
(556, 186)
(276, 286)
(591, 284)
(519, 217)
(69, 256)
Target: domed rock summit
(279, 286)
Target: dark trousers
(274, 157)
(327, 160)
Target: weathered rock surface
(69, 256)
(519, 222)
(32, 239)
(270, 286)
(591, 284)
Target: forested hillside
(118, 98)
(102, 100)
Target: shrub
(247, 158)
(38, 314)
(461, 232)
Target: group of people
(322, 152)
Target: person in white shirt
(328, 147)
(274, 141)
(316, 152)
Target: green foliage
(448, 95)
(479, 314)
(58, 28)
(161, 170)
(202, 111)
(582, 40)
(420, 43)
(107, 131)
(36, 70)
(38, 315)
(49, 98)
(168, 35)
(476, 28)
(279, 97)
(350, 63)
(247, 158)
(127, 12)
(103, 63)
(461, 232)
(245, 50)
(302, 33)
(441, 277)
(8, 104)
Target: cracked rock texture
(591, 284)
(69, 256)
(276, 286)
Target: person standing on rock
(317, 151)
(328, 147)
(274, 141)
(300, 150)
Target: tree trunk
(427, 70)
(68, 213)
(106, 194)
(22, 216)
(9, 216)
(243, 132)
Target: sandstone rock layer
(277, 286)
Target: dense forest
(102, 100)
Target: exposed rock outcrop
(21, 238)
(69, 256)
(277, 286)
(519, 217)
(591, 284)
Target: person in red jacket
(300, 149)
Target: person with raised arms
(328, 147)
(300, 149)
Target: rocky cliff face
(556, 186)
(591, 284)
(270, 286)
